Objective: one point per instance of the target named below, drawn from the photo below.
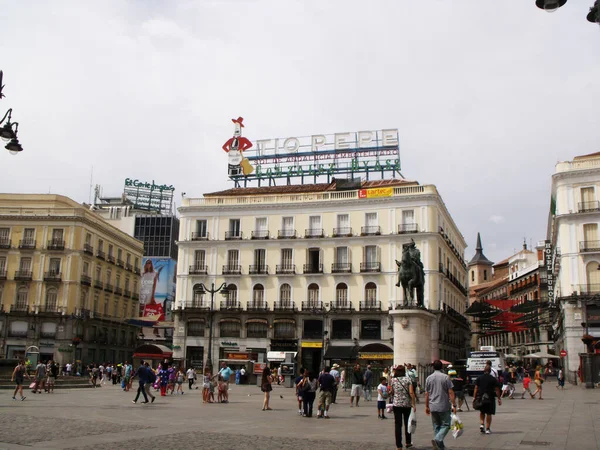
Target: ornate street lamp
(202, 289)
(550, 5)
(594, 14)
(9, 131)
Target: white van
(476, 363)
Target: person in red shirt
(526, 382)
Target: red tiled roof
(304, 188)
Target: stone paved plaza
(105, 418)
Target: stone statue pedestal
(416, 336)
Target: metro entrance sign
(363, 152)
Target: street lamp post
(324, 312)
(212, 291)
(9, 131)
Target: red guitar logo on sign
(235, 147)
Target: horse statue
(411, 275)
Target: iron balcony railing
(342, 306)
(87, 248)
(137, 270)
(108, 287)
(200, 236)
(589, 246)
(408, 228)
(27, 244)
(314, 233)
(286, 234)
(4, 242)
(118, 291)
(110, 259)
(370, 231)
(50, 309)
(589, 206)
(86, 279)
(19, 308)
(3, 275)
(100, 254)
(370, 305)
(128, 266)
(127, 293)
(197, 304)
(56, 244)
(52, 276)
(48, 334)
(313, 268)
(341, 268)
(373, 266)
(257, 306)
(198, 269)
(232, 270)
(312, 306)
(233, 235)
(17, 333)
(98, 284)
(284, 306)
(120, 262)
(342, 232)
(589, 288)
(260, 234)
(285, 269)
(23, 275)
(135, 295)
(231, 305)
(258, 269)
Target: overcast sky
(487, 96)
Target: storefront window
(284, 330)
(370, 329)
(230, 328)
(256, 330)
(313, 329)
(341, 329)
(196, 328)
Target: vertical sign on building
(548, 257)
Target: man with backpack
(142, 375)
(150, 380)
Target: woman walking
(560, 378)
(538, 380)
(179, 380)
(403, 399)
(308, 386)
(265, 386)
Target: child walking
(382, 395)
(526, 383)
(205, 386)
(179, 379)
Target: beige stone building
(68, 281)
(311, 269)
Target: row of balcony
(306, 306)
(27, 275)
(309, 233)
(87, 248)
(453, 248)
(286, 269)
(31, 244)
(453, 279)
(87, 281)
(49, 308)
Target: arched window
(258, 296)
(313, 296)
(196, 328)
(230, 328)
(232, 296)
(256, 328)
(285, 296)
(198, 297)
(22, 302)
(593, 277)
(370, 295)
(341, 295)
(51, 300)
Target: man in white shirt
(191, 376)
(334, 372)
(493, 372)
(243, 376)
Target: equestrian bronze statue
(411, 275)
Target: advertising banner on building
(157, 291)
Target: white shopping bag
(456, 426)
(412, 422)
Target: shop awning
(284, 321)
(256, 320)
(230, 319)
(340, 352)
(278, 356)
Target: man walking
(326, 385)
(226, 373)
(40, 376)
(487, 388)
(411, 371)
(191, 376)
(142, 375)
(336, 376)
(439, 402)
(357, 383)
(150, 380)
(52, 374)
(368, 383)
(18, 375)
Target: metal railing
(110, 259)
(313, 268)
(120, 262)
(314, 233)
(589, 288)
(258, 269)
(23, 275)
(260, 234)
(373, 230)
(345, 306)
(19, 308)
(27, 244)
(98, 284)
(408, 228)
(86, 279)
(108, 287)
(285, 269)
(200, 236)
(286, 234)
(87, 248)
(257, 306)
(50, 308)
(52, 276)
(342, 232)
(197, 304)
(309, 306)
(233, 235)
(588, 206)
(56, 244)
(4, 242)
(589, 246)
(370, 266)
(284, 306)
(198, 269)
(3, 275)
(232, 269)
(118, 291)
(341, 267)
(128, 266)
(100, 254)
(370, 306)
(231, 305)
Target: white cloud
(496, 219)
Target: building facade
(311, 269)
(68, 281)
(573, 254)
